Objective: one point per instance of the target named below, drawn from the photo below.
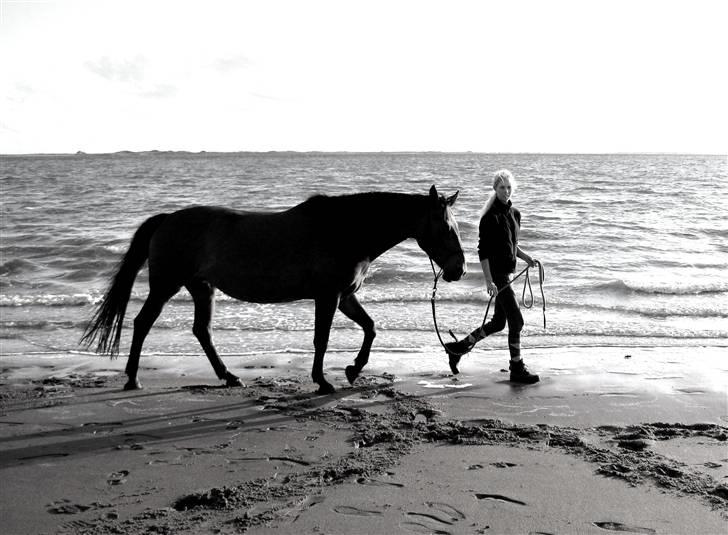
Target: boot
(520, 374)
(455, 350)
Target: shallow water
(634, 246)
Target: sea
(634, 248)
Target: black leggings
(506, 311)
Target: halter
(526, 304)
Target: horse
(319, 249)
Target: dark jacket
(498, 241)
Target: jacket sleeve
(485, 245)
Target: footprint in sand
(421, 528)
(377, 483)
(499, 498)
(618, 526)
(448, 510)
(441, 517)
(117, 478)
(355, 511)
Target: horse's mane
(353, 202)
(362, 216)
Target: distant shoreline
(352, 153)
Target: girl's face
(503, 191)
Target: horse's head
(439, 236)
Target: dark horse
(319, 249)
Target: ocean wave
(422, 330)
(389, 275)
(49, 300)
(471, 296)
(621, 287)
(387, 333)
(16, 266)
(41, 325)
(717, 232)
(672, 310)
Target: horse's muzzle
(454, 268)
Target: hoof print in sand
(117, 478)
(499, 498)
(503, 464)
(315, 500)
(66, 507)
(624, 528)
(377, 483)
(721, 490)
(42, 456)
(355, 511)
(77, 526)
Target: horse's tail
(105, 326)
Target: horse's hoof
(351, 374)
(133, 385)
(231, 380)
(454, 360)
(325, 389)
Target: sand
(611, 440)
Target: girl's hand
(492, 288)
(530, 261)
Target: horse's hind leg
(203, 295)
(353, 310)
(142, 324)
(325, 310)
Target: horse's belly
(288, 282)
(252, 295)
(262, 284)
(263, 290)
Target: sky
(396, 75)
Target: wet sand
(611, 440)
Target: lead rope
(526, 304)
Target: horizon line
(162, 151)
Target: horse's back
(254, 256)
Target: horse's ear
(451, 200)
(433, 192)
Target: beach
(611, 439)
(240, 190)
(625, 432)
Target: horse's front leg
(325, 309)
(353, 310)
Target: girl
(498, 249)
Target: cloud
(8, 128)
(118, 70)
(264, 96)
(132, 74)
(159, 91)
(20, 93)
(231, 63)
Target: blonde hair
(502, 175)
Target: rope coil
(524, 303)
